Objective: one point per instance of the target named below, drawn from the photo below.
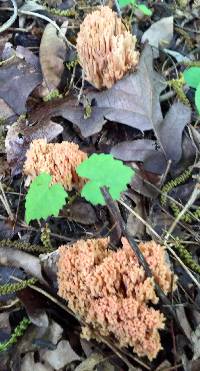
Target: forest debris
(170, 131)
(21, 259)
(59, 160)
(17, 81)
(105, 48)
(110, 291)
(19, 137)
(5, 110)
(136, 150)
(52, 56)
(159, 33)
(61, 356)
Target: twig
(103, 339)
(5, 203)
(137, 251)
(195, 194)
(12, 19)
(172, 252)
(168, 95)
(38, 15)
(164, 176)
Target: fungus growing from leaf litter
(57, 159)
(111, 293)
(106, 50)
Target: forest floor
(150, 121)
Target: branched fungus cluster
(106, 49)
(110, 291)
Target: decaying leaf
(34, 305)
(125, 103)
(17, 81)
(61, 356)
(81, 212)
(169, 132)
(136, 150)
(21, 259)
(134, 225)
(19, 137)
(52, 55)
(159, 33)
(89, 364)
(142, 150)
(5, 110)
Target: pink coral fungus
(59, 160)
(110, 291)
(105, 48)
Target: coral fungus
(59, 160)
(105, 48)
(110, 291)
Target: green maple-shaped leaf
(103, 171)
(197, 98)
(192, 76)
(123, 3)
(144, 9)
(43, 199)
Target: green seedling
(43, 199)
(103, 171)
(144, 9)
(192, 79)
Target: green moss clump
(18, 332)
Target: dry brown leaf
(52, 55)
(17, 81)
(19, 137)
(125, 103)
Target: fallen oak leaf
(125, 103)
(169, 132)
(20, 259)
(160, 32)
(17, 81)
(19, 137)
(136, 150)
(142, 150)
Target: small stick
(164, 176)
(12, 19)
(138, 253)
(195, 194)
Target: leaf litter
(146, 120)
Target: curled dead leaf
(52, 55)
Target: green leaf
(42, 199)
(144, 9)
(123, 3)
(192, 76)
(103, 170)
(197, 98)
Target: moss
(54, 94)
(45, 238)
(70, 65)
(24, 246)
(62, 13)
(187, 217)
(10, 288)
(186, 256)
(177, 85)
(18, 332)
